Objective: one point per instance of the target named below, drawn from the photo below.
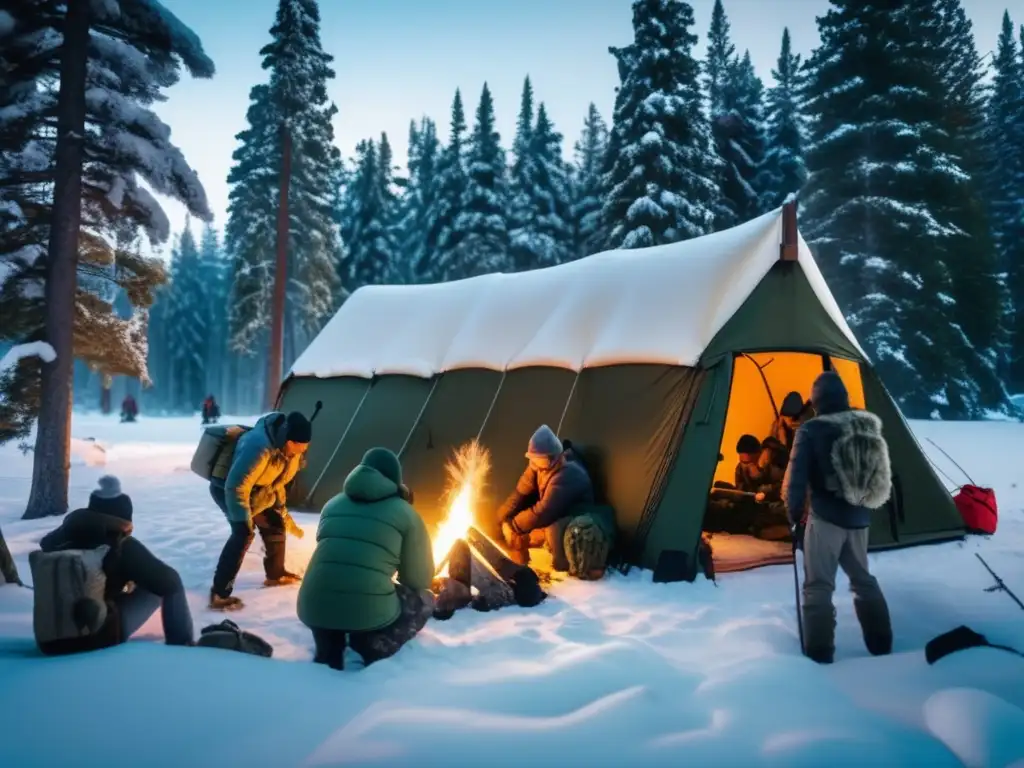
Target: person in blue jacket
(537, 511)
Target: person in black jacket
(138, 583)
(838, 473)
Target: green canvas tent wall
(655, 357)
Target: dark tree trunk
(105, 397)
(280, 277)
(51, 468)
(8, 570)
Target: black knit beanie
(792, 405)
(109, 500)
(748, 444)
(298, 429)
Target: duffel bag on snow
(69, 600)
(977, 506)
(229, 636)
(216, 450)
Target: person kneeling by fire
(554, 485)
(368, 534)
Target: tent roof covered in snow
(660, 305)
(655, 360)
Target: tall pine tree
(188, 326)
(440, 264)
(883, 179)
(735, 104)
(295, 100)
(369, 233)
(419, 197)
(661, 183)
(1005, 189)
(588, 185)
(521, 181)
(133, 56)
(783, 172)
(481, 227)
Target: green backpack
(588, 541)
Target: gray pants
(827, 548)
(135, 608)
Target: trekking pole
(1000, 585)
(796, 591)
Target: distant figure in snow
(253, 496)
(211, 411)
(537, 511)
(129, 409)
(137, 582)
(839, 469)
(368, 534)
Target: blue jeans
(135, 609)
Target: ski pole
(796, 591)
(1000, 585)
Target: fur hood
(862, 474)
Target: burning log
(523, 580)
(471, 580)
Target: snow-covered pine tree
(662, 180)
(736, 108)
(883, 175)
(1005, 190)
(134, 54)
(481, 227)
(521, 180)
(216, 282)
(548, 235)
(588, 185)
(783, 171)
(296, 98)
(369, 236)
(439, 263)
(418, 197)
(973, 262)
(189, 324)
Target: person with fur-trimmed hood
(138, 583)
(538, 510)
(838, 473)
(253, 497)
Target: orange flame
(467, 474)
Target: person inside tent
(538, 510)
(137, 582)
(368, 534)
(754, 505)
(794, 412)
(266, 460)
(839, 472)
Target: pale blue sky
(399, 59)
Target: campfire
(471, 568)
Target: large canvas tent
(655, 359)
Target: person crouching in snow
(840, 466)
(107, 521)
(367, 534)
(266, 460)
(538, 510)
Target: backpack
(216, 450)
(588, 542)
(860, 462)
(977, 506)
(70, 587)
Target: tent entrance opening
(769, 398)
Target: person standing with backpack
(253, 496)
(838, 473)
(96, 585)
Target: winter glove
(290, 525)
(513, 538)
(522, 522)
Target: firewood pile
(481, 576)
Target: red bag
(978, 508)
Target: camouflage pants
(376, 644)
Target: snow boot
(283, 580)
(218, 603)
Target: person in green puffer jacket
(367, 534)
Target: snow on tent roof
(653, 305)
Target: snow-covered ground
(617, 672)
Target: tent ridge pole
(351, 421)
